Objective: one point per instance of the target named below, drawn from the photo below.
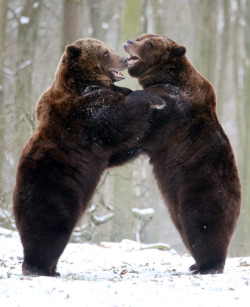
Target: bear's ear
(180, 51)
(73, 51)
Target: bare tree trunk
(246, 140)
(241, 50)
(144, 26)
(71, 21)
(205, 38)
(122, 223)
(27, 34)
(132, 19)
(237, 38)
(159, 19)
(118, 39)
(224, 59)
(132, 27)
(95, 19)
(3, 23)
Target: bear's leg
(207, 242)
(53, 270)
(41, 253)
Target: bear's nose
(129, 42)
(125, 60)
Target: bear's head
(89, 62)
(154, 58)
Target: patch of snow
(48, 4)
(18, 10)
(105, 25)
(8, 71)
(90, 30)
(4, 231)
(157, 106)
(25, 64)
(242, 22)
(10, 14)
(9, 158)
(24, 20)
(143, 213)
(120, 275)
(35, 5)
(101, 219)
(116, 16)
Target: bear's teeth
(118, 74)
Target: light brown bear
(193, 161)
(82, 120)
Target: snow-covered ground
(120, 274)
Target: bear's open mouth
(132, 59)
(117, 74)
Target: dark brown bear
(82, 120)
(192, 158)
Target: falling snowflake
(105, 25)
(24, 20)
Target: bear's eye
(106, 53)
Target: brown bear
(83, 118)
(193, 161)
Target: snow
(24, 20)
(90, 31)
(35, 5)
(105, 26)
(25, 64)
(121, 274)
(18, 10)
(143, 213)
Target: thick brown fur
(193, 161)
(82, 120)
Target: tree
(95, 20)
(224, 64)
(242, 71)
(26, 44)
(3, 23)
(205, 38)
(72, 10)
(158, 18)
(132, 21)
(122, 224)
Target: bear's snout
(125, 60)
(129, 42)
(127, 45)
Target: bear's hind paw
(29, 269)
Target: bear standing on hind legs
(82, 120)
(193, 161)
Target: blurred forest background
(33, 36)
